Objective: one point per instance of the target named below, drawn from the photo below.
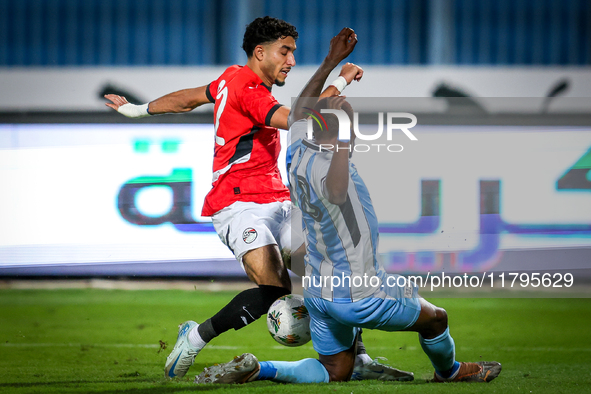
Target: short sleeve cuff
(271, 113)
(208, 94)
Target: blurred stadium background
(501, 90)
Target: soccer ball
(288, 321)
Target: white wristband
(134, 111)
(340, 83)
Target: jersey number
(223, 94)
(304, 197)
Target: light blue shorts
(334, 325)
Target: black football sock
(206, 331)
(246, 307)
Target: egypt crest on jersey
(246, 147)
(249, 235)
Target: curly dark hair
(266, 29)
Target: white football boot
(375, 370)
(183, 354)
(241, 369)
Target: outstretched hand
(342, 45)
(116, 101)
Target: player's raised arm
(341, 46)
(337, 177)
(177, 102)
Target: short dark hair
(266, 29)
(332, 122)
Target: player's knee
(434, 323)
(440, 320)
(437, 323)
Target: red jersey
(246, 147)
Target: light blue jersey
(341, 240)
(345, 286)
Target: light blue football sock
(441, 351)
(308, 370)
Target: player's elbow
(337, 198)
(336, 191)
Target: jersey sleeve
(298, 131)
(258, 102)
(210, 91)
(318, 176)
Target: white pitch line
(130, 345)
(222, 347)
(119, 345)
(125, 345)
(491, 349)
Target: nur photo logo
(345, 129)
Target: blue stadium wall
(190, 32)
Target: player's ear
(259, 52)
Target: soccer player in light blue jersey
(341, 233)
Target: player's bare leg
(264, 266)
(440, 348)
(432, 320)
(339, 366)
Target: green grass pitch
(108, 341)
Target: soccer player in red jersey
(249, 204)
